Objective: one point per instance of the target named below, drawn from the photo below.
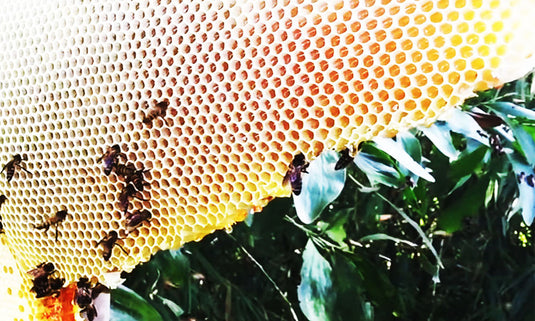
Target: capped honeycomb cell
(211, 100)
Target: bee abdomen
(44, 226)
(10, 173)
(297, 185)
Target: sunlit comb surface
(250, 84)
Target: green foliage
(390, 245)
(315, 291)
(406, 150)
(320, 187)
(129, 306)
(376, 169)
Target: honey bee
(43, 282)
(53, 221)
(136, 218)
(12, 164)
(85, 294)
(293, 175)
(3, 199)
(125, 170)
(47, 286)
(159, 110)
(128, 192)
(138, 180)
(42, 270)
(110, 158)
(84, 299)
(344, 160)
(108, 242)
(131, 174)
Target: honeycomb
(249, 84)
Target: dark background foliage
(369, 254)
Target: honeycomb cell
(248, 85)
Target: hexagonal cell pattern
(249, 84)
(12, 290)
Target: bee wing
(295, 176)
(104, 240)
(109, 162)
(102, 157)
(6, 166)
(34, 273)
(288, 175)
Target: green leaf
(491, 192)
(336, 229)
(315, 290)
(524, 135)
(466, 165)
(176, 271)
(321, 186)
(462, 123)
(385, 237)
(411, 145)
(460, 182)
(126, 305)
(463, 204)
(376, 171)
(510, 109)
(525, 140)
(397, 151)
(172, 306)
(524, 174)
(349, 290)
(439, 134)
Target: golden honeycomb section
(15, 305)
(250, 85)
